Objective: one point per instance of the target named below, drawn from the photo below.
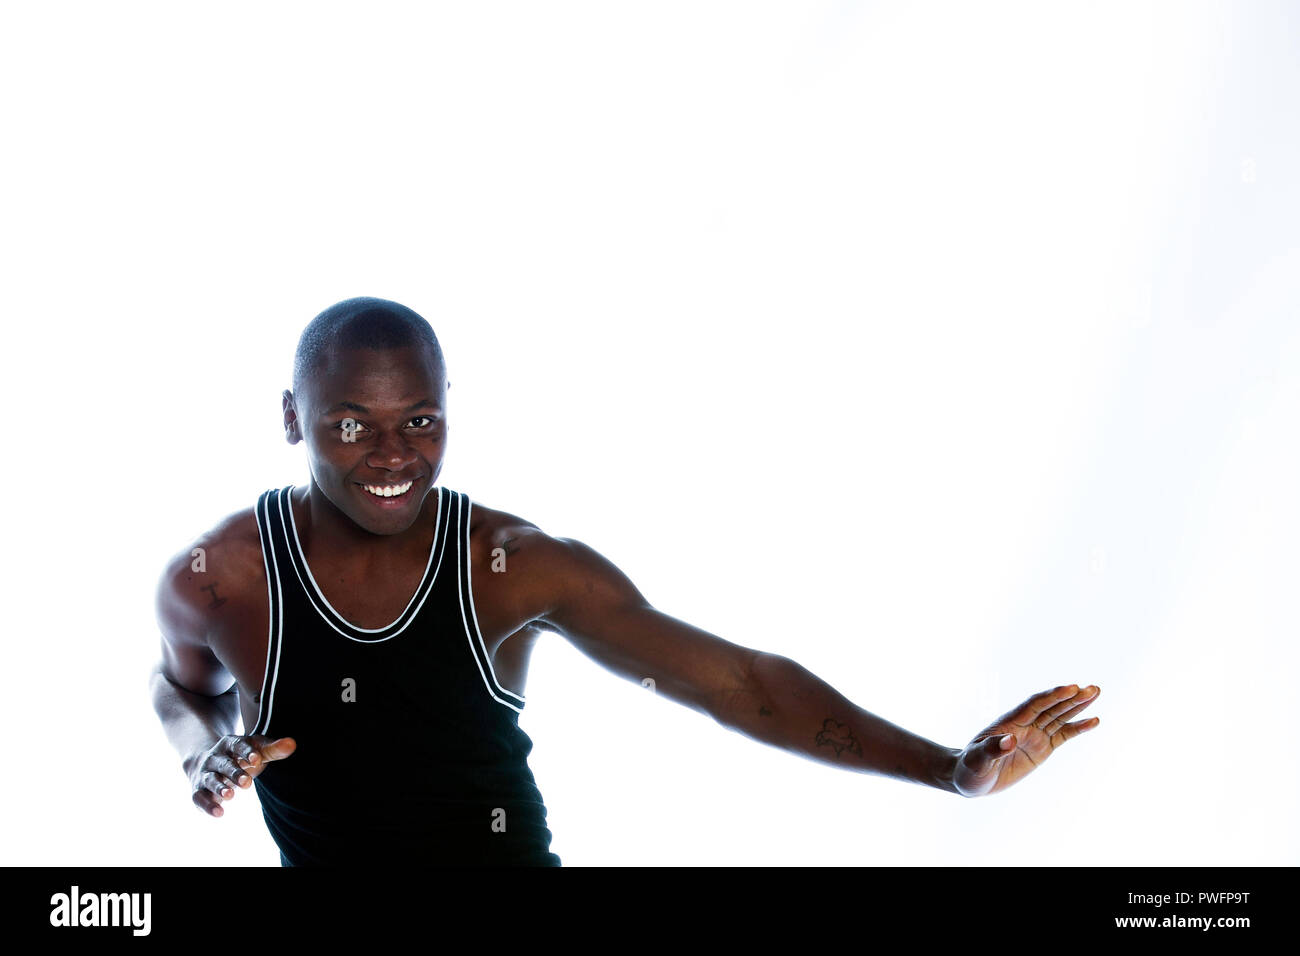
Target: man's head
(369, 400)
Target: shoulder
(220, 567)
(505, 540)
(491, 529)
(543, 570)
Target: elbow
(749, 693)
(158, 679)
(770, 671)
(161, 689)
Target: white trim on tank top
(425, 585)
(471, 636)
(274, 627)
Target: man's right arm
(197, 699)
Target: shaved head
(362, 323)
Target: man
(374, 630)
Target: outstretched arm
(775, 700)
(787, 705)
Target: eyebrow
(354, 407)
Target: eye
(356, 425)
(422, 418)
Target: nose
(392, 453)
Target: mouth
(390, 496)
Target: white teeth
(388, 491)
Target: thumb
(276, 749)
(984, 757)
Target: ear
(291, 433)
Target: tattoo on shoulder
(839, 736)
(216, 601)
(764, 711)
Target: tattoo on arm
(764, 711)
(839, 736)
(216, 601)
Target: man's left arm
(777, 701)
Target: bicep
(602, 613)
(187, 661)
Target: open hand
(1018, 741)
(233, 761)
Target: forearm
(784, 704)
(192, 722)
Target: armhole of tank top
(470, 616)
(275, 612)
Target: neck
(323, 527)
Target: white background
(952, 350)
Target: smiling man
(373, 631)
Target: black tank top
(408, 747)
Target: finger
(1062, 714)
(1036, 705)
(227, 766)
(983, 759)
(243, 750)
(217, 784)
(1070, 731)
(1056, 710)
(262, 750)
(206, 802)
(213, 770)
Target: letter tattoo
(216, 601)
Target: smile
(389, 491)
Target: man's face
(373, 419)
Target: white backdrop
(952, 350)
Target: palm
(1037, 727)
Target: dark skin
(369, 560)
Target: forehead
(378, 374)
